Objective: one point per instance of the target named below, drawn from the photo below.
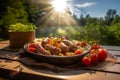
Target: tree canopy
(104, 29)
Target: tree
(14, 11)
(82, 20)
(110, 15)
(32, 11)
(116, 20)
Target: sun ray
(56, 16)
(59, 5)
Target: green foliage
(113, 34)
(18, 27)
(15, 13)
(12, 11)
(33, 11)
(68, 31)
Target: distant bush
(112, 36)
(106, 35)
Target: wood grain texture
(23, 72)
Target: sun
(59, 5)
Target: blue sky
(96, 8)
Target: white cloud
(85, 5)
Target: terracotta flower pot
(18, 39)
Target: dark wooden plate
(57, 59)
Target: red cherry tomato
(94, 58)
(95, 46)
(86, 61)
(78, 51)
(31, 49)
(94, 51)
(32, 45)
(102, 54)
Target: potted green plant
(19, 34)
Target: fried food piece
(40, 49)
(64, 47)
(53, 49)
(71, 45)
(45, 41)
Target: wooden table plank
(118, 60)
(111, 47)
(4, 42)
(114, 52)
(73, 75)
(29, 73)
(95, 76)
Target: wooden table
(10, 69)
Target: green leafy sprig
(19, 27)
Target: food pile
(96, 54)
(62, 46)
(54, 46)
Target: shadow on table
(72, 69)
(7, 48)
